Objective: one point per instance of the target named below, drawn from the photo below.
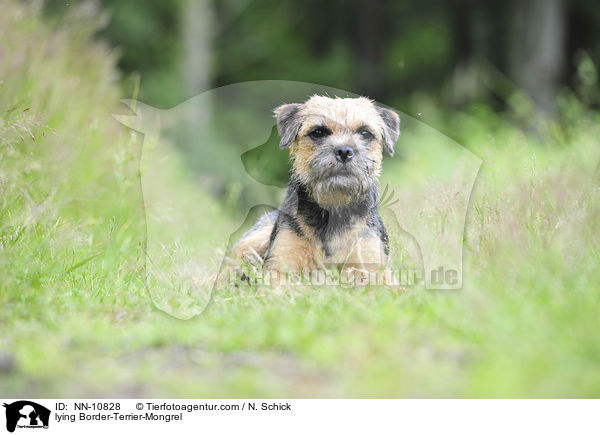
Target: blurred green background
(456, 52)
(514, 82)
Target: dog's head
(336, 145)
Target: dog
(330, 211)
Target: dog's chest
(334, 239)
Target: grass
(76, 319)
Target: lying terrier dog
(329, 214)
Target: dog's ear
(391, 128)
(288, 123)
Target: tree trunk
(197, 34)
(538, 51)
(369, 48)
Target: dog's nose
(343, 154)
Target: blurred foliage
(387, 50)
(147, 37)
(418, 57)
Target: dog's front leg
(288, 256)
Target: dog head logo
(230, 133)
(26, 414)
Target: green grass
(77, 320)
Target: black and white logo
(26, 414)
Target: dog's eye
(318, 133)
(366, 134)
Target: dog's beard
(334, 185)
(340, 188)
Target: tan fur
(254, 246)
(366, 257)
(366, 250)
(291, 252)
